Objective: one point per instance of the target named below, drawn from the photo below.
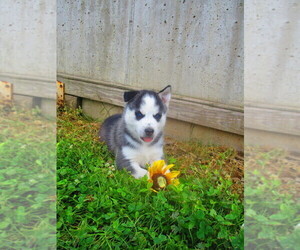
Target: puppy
(136, 135)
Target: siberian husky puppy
(136, 136)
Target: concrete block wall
(195, 46)
(28, 52)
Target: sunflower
(160, 175)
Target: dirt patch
(276, 164)
(227, 161)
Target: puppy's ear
(165, 95)
(129, 95)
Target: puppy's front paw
(139, 173)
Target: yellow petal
(151, 170)
(150, 173)
(172, 174)
(160, 163)
(156, 167)
(159, 166)
(166, 168)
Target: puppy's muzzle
(149, 132)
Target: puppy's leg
(133, 167)
(138, 172)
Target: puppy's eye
(139, 115)
(157, 116)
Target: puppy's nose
(149, 131)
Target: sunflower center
(161, 181)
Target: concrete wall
(272, 41)
(28, 36)
(28, 51)
(196, 46)
(272, 90)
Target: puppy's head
(145, 113)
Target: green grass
(102, 208)
(272, 208)
(27, 181)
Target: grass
(27, 180)
(272, 199)
(102, 208)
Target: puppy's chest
(143, 155)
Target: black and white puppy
(136, 136)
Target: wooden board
(212, 117)
(31, 86)
(64, 76)
(180, 108)
(280, 121)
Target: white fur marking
(138, 171)
(148, 105)
(143, 155)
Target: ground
(204, 212)
(27, 180)
(101, 207)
